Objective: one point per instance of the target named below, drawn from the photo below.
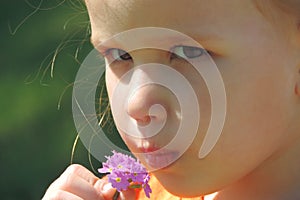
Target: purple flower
(147, 189)
(117, 161)
(118, 180)
(125, 172)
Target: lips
(148, 149)
(158, 158)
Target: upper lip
(147, 147)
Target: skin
(257, 155)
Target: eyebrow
(205, 37)
(209, 37)
(202, 39)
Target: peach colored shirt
(158, 192)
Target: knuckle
(57, 195)
(67, 181)
(73, 169)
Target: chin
(182, 186)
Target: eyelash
(182, 53)
(178, 52)
(109, 54)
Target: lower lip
(160, 160)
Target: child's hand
(78, 183)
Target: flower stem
(133, 186)
(116, 195)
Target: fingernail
(106, 187)
(99, 184)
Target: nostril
(143, 121)
(144, 115)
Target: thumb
(105, 189)
(129, 194)
(108, 192)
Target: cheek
(111, 81)
(257, 112)
(257, 117)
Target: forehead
(109, 17)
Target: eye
(188, 52)
(118, 54)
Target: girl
(256, 48)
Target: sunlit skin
(260, 72)
(258, 56)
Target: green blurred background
(36, 137)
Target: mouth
(158, 158)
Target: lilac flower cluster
(126, 172)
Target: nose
(150, 102)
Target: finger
(80, 187)
(77, 180)
(108, 191)
(61, 195)
(129, 194)
(105, 188)
(82, 172)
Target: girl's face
(254, 59)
